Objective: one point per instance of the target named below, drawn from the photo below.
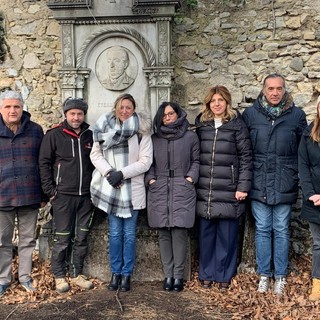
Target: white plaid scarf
(113, 138)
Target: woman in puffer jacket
(224, 182)
(309, 172)
(171, 191)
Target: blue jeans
(122, 243)
(272, 225)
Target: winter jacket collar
(6, 132)
(176, 129)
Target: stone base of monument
(148, 265)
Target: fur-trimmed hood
(145, 122)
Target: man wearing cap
(65, 170)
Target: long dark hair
(158, 118)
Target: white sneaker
(279, 286)
(264, 284)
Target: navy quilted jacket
(275, 153)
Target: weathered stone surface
(296, 64)
(236, 46)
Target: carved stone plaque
(116, 68)
(69, 4)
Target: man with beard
(65, 170)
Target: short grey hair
(10, 94)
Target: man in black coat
(65, 170)
(275, 125)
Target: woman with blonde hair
(121, 153)
(224, 182)
(309, 172)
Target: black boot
(178, 285)
(114, 282)
(125, 283)
(168, 284)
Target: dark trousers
(72, 217)
(173, 249)
(218, 240)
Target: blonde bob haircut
(208, 115)
(315, 131)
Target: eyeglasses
(169, 114)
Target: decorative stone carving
(163, 43)
(116, 31)
(55, 4)
(159, 77)
(67, 47)
(116, 68)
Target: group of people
(177, 171)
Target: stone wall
(229, 44)
(32, 43)
(237, 46)
(234, 45)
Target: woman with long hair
(224, 183)
(309, 172)
(121, 153)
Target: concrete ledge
(148, 266)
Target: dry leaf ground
(149, 301)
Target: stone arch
(122, 32)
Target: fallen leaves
(240, 301)
(43, 281)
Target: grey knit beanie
(75, 103)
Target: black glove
(115, 178)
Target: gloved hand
(115, 178)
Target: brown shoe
(82, 282)
(62, 285)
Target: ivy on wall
(2, 39)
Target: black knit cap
(75, 103)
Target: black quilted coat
(309, 171)
(225, 167)
(275, 153)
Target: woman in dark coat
(309, 171)
(224, 182)
(171, 190)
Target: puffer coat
(309, 172)
(225, 167)
(275, 153)
(172, 198)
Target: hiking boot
(279, 286)
(62, 285)
(264, 284)
(3, 288)
(82, 282)
(28, 286)
(315, 292)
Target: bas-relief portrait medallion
(116, 68)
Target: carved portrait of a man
(113, 69)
